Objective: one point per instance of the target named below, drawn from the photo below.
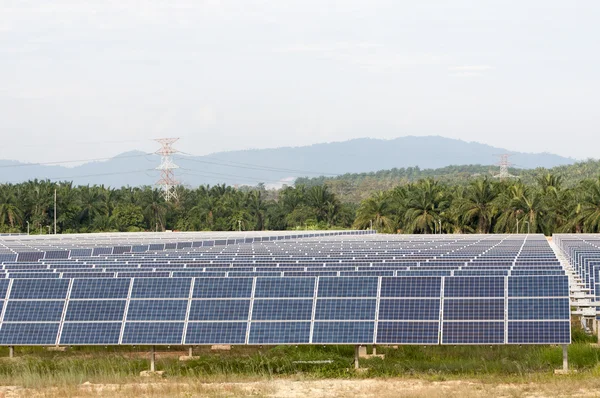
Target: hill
(282, 165)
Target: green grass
(35, 367)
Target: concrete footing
(57, 348)
(565, 368)
(148, 373)
(362, 353)
(220, 347)
(185, 358)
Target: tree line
(220, 207)
(355, 187)
(483, 205)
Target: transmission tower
(504, 164)
(167, 174)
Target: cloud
(469, 70)
(375, 57)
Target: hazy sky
(84, 79)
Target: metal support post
(356, 365)
(152, 358)
(565, 349)
(11, 351)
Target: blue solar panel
(538, 286)
(473, 309)
(219, 310)
(161, 288)
(408, 332)
(345, 309)
(347, 287)
(471, 286)
(153, 333)
(100, 288)
(223, 288)
(538, 309)
(343, 332)
(95, 310)
(473, 333)
(288, 287)
(551, 332)
(409, 310)
(279, 333)
(282, 310)
(105, 333)
(411, 287)
(34, 311)
(216, 333)
(3, 287)
(28, 333)
(157, 310)
(39, 289)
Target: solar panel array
(583, 253)
(325, 289)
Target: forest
(482, 205)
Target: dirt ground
(380, 388)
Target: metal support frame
(153, 359)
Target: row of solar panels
(337, 310)
(161, 273)
(120, 249)
(62, 246)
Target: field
(409, 371)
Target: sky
(87, 79)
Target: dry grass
(556, 386)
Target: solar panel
(333, 290)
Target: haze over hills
(275, 166)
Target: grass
(39, 369)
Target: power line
(254, 166)
(204, 174)
(72, 161)
(86, 176)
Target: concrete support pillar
(11, 351)
(597, 329)
(594, 325)
(374, 350)
(152, 360)
(565, 349)
(356, 355)
(191, 352)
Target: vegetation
(546, 203)
(224, 208)
(485, 206)
(357, 187)
(36, 367)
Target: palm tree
(10, 212)
(590, 207)
(477, 205)
(91, 203)
(426, 201)
(257, 208)
(376, 209)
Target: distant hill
(283, 165)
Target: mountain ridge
(274, 166)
